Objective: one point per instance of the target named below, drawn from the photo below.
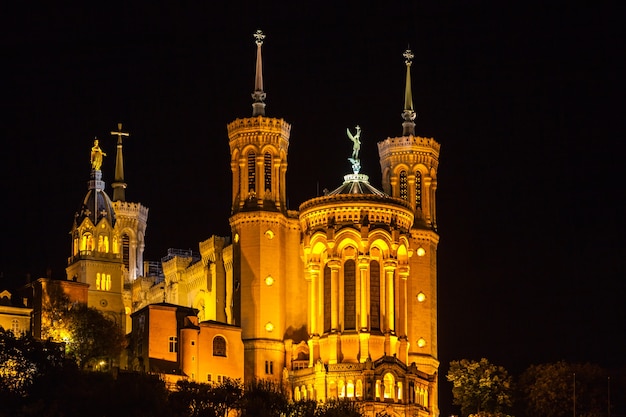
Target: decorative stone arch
(402, 254)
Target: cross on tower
(119, 133)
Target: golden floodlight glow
(421, 342)
(236, 237)
(269, 326)
(421, 251)
(269, 280)
(421, 297)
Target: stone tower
(409, 171)
(266, 267)
(96, 256)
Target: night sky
(526, 101)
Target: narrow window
(173, 344)
(251, 172)
(326, 299)
(126, 251)
(15, 327)
(418, 190)
(374, 295)
(219, 346)
(349, 295)
(267, 171)
(404, 188)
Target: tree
(193, 399)
(92, 336)
(264, 398)
(548, 389)
(480, 387)
(88, 335)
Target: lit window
(251, 172)
(173, 344)
(267, 168)
(15, 326)
(389, 382)
(219, 346)
(404, 186)
(418, 190)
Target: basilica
(337, 299)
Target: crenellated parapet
(413, 143)
(131, 210)
(248, 130)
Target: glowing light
(269, 326)
(421, 342)
(421, 251)
(269, 281)
(269, 234)
(421, 297)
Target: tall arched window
(374, 295)
(219, 346)
(326, 299)
(126, 251)
(418, 190)
(389, 382)
(251, 172)
(404, 186)
(349, 295)
(267, 171)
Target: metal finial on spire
(258, 106)
(409, 115)
(259, 36)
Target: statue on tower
(96, 156)
(356, 148)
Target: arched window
(404, 186)
(374, 295)
(126, 251)
(389, 382)
(349, 295)
(15, 327)
(359, 388)
(267, 171)
(252, 172)
(219, 346)
(350, 389)
(326, 299)
(418, 190)
(86, 242)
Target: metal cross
(119, 133)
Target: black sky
(526, 101)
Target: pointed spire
(119, 185)
(258, 106)
(409, 115)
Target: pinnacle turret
(258, 106)
(409, 115)
(119, 185)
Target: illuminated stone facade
(335, 300)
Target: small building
(14, 315)
(168, 340)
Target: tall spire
(409, 115)
(119, 185)
(258, 106)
